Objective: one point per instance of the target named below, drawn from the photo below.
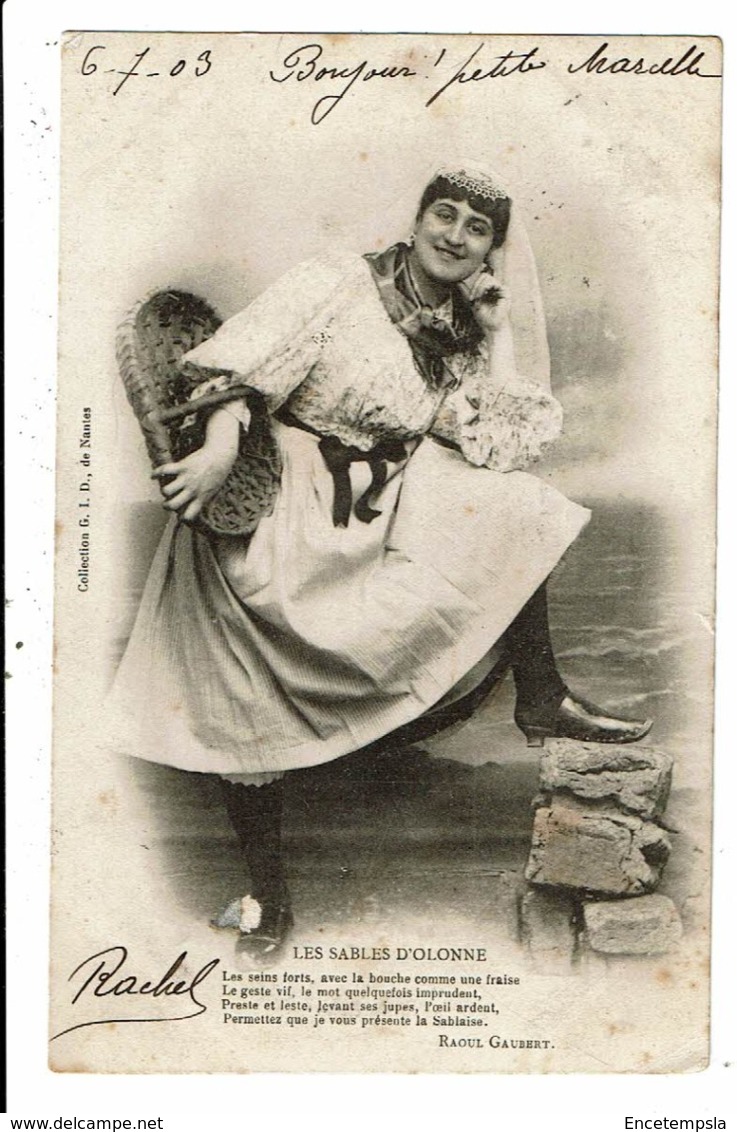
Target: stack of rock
(598, 853)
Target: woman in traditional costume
(408, 390)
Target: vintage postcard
(385, 553)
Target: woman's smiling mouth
(449, 254)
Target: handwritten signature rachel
(103, 976)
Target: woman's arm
(492, 308)
(188, 484)
(269, 348)
(498, 418)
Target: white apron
(315, 640)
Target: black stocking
(255, 813)
(540, 688)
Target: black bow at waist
(338, 458)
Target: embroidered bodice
(320, 343)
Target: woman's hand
(490, 302)
(192, 482)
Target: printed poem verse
(456, 1010)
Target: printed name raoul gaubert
(496, 1041)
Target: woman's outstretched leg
(545, 706)
(255, 813)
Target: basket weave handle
(208, 401)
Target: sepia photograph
(384, 626)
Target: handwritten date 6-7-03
(94, 63)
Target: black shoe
(579, 720)
(265, 943)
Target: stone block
(595, 848)
(637, 778)
(643, 925)
(548, 926)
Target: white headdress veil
(513, 264)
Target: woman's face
(451, 241)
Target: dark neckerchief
(431, 338)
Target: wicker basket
(149, 346)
